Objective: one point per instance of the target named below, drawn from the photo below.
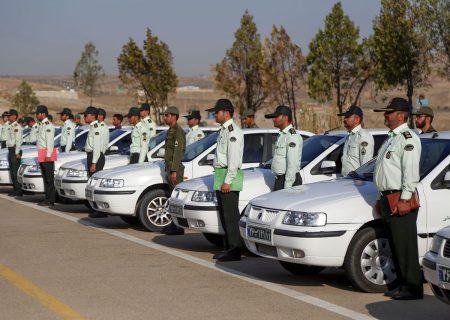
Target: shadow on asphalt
(193, 242)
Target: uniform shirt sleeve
(410, 166)
(234, 155)
(18, 138)
(293, 155)
(49, 139)
(144, 137)
(178, 152)
(97, 145)
(366, 148)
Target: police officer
(288, 150)
(94, 143)
(423, 119)
(104, 131)
(14, 142)
(32, 137)
(359, 144)
(77, 120)
(4, 130)
(228, 177)
(195, 133)
(139, 137)
(45, 142)
(144, 112)
(248, 119)
(175, 147)
(397, 170)
(68, 131)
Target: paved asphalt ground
(59, 263)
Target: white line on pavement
(236, 274)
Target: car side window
(378, 140)
(253, 148)
(336, 156)
(123, 143)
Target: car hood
(79, 162)
(344, 200)
(444, 232)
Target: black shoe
(229, 257)
(172, 230)
(46, 203)
(406, 295)
(219, 254)
(392, 292)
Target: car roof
(436, 135)
(372, 131)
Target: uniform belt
(280, 176)
(386, 192)
(13, 147)
(220, 167)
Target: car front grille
(262, 215)
(447, 249)
(267, 250)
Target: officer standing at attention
(397, 171)
(248, 119)
(288, 150)
(228, 177)
(68, 131)
(423, 119)
(5, 130)
(139, 137)
(145, 118)
(32, 137)
(94, 144)
(104, 131)
(14, 142)
(359, 144)
(195, 133)
(174, 152)
(46, 140)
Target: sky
(46, 37)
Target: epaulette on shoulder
(407, 135)
(46, 122)
(230, 128)
(102, 124)
(292, 131)
(149, 120)
(96, 125)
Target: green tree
(334, 53)
(241, 72)
(286, 68)
(25, 100)
(402, 51)
(149, 70)
(88, 72)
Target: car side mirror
(328, 167)
(209, 160)
(446, 181)
(113, 150)
(161, 153)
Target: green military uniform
(151, 126)
(94, 147)
(358, 149)
(68, 136)
(286, 159)
(4, 134)
(397, 169)
(175, 147)
(194, 134)
(46, 140)
(14, 143)
(139, 143)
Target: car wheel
(300, 269)
(368, 264)
(133, 220)
(152, 210)
(215, 239)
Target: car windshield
(80, 141)
(113, 135)
(58, 137)
(198, 147)
(156, 140)
(312, 148)
(433, 152)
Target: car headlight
(310, 219)
(437, 244)
(4, 163)
(111, 183)
(35, 168)
(204, 196)
(77, 173)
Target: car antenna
(328, 131)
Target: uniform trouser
(228, 204)
(99, 165)
(134, 158)
(48, 174)
(280, 180)
(402, 236)
(3, 144)
(14, 164)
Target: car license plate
(174, 209)
(88, 194)
(444, 274)
(57, 183)
(259, 233)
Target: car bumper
(318, 246)
(200, 218)
(431, 268)
(5, 177)
(32, 183)
(113, 201)
(71, 189)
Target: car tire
(300, 269)
(368, 263)
(152, 210)
(215, 239)
(132, 220)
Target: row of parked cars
(329, 221)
